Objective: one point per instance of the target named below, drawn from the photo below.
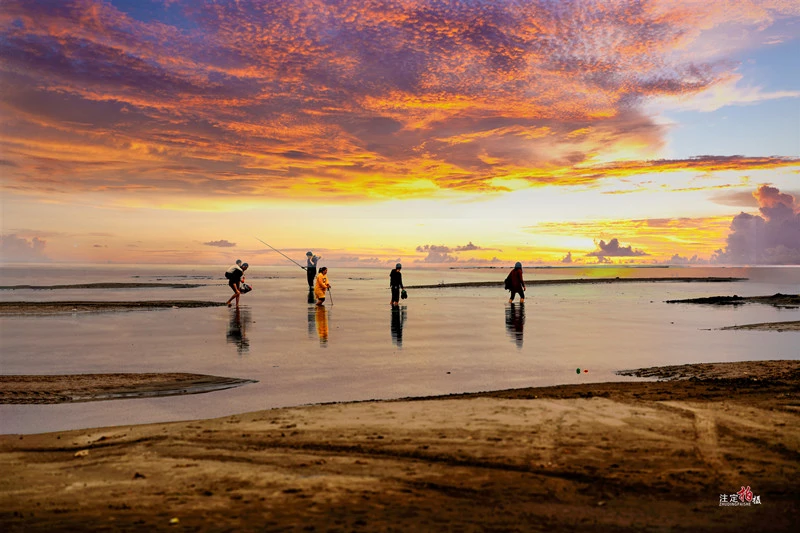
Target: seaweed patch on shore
(784, 301)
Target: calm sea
(441, 340)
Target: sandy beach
(652, 455)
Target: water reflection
(310, 299)
(312, 318)
(237, 329)
(398, 318)
(321, 318)
(515, 322)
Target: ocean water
(441, 341)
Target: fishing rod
(283, 254)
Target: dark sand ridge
(105, 286)
(93, 387)
(578, 281)
(632, 456)
(788, 301)
(48, 308)
(768, 326)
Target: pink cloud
(16, 249)
(772, 238)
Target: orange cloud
(660, 238)
(348, 100)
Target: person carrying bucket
(516, 284)
(321, 285)
(396, 284)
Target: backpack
(508, 283)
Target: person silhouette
(311, 268)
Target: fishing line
(283, 254)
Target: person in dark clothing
(235, 279)
(516, 284)
(396, 284)
(311, 268)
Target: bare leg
(236, 294)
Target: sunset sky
(434, 132)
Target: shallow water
(356, 348)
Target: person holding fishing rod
(311, 263)
(311, 268)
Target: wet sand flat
(781, 301)
(94, 387)
(657, 455)
(132, 285)
(49, 308)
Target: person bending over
(321, 285)
(234, 281)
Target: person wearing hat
(311, 268)
(321, 285)
(396, 284)
(516, 284)
(234, 281)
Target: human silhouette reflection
(237, 329)
(312, 319)
(322, 325)
(515, 322)
(398, 317)
(310, 299)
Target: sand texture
(641, 456)
(94, 387)
(50, 308)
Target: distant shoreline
(578, 281)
